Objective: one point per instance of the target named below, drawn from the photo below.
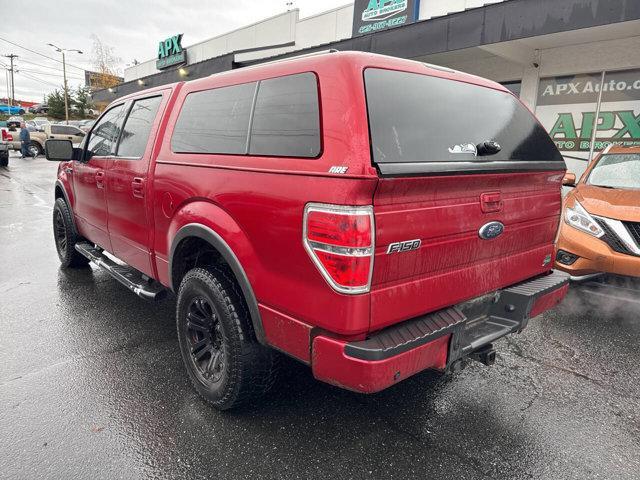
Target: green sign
(618, 128)
(373, 15)
(568, 106)
(171, 53)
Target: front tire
(66, 237)
(226, 364)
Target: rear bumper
(436, 340)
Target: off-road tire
(63, 223)
(4, 160)
(249, 368)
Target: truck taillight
(340, 241)
(6, 137)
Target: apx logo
(382, 9)
(170, 46)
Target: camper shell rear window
(438, 124)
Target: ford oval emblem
(491, 230)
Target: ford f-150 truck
(369, 216)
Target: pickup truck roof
(310, 62)
(353, 60)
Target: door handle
(100, 179)
(491, 202)
(137, 186)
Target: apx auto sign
(374, 15)
(171, 53)
(568, 108)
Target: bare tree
(106, 64)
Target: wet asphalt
(92, 387)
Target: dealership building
(575, 63)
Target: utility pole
(64, 73)
(11, 56)
(66, 90)
(6, 74)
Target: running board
(131, 278)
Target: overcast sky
(132, 27)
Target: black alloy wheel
(60, 232)
(205, 338)
(65, 236)
(226, 364)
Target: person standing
(25, 141)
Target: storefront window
(619, 119)
(513, 87)
(568, 107)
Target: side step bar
(131, 278)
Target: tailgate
(454, 157)
(453, 263)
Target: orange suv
(601, 228)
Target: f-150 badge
(399, 247)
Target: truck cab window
(135, 133)
(105, 133)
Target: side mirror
(58, 150)
(569, 179)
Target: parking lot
(92, 386)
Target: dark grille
(611, 239)
(634, 230)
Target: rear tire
(226, 364)
(4, 160)
(35, 149)
(66, 237)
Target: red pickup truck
(370, 216)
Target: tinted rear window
(286, 119)
(418, 118)
(214, 121)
